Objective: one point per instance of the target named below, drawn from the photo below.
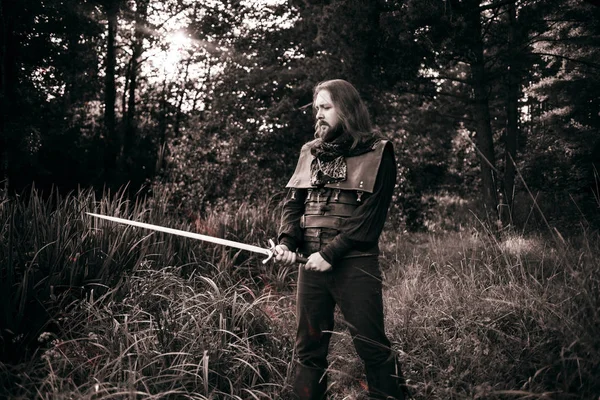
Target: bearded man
(334, 213)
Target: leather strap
(320, 221)
(333, 209)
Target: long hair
(351, 109)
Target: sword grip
(301, 259)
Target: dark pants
(355, 286)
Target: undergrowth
(95, 310)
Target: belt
(319, 233)
(321, 221)
(337, 197)
(341, 210)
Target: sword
(205, 238)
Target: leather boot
(310, 383)
(386, 381)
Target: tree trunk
(512, 119)
(181, 98)
(110, 91)
(125, 90)
(130, 132)
(162, 115)
(481, 114)
(8, 79)
(130, 117)
(112, 142)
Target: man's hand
(316, 262)
(284, 255)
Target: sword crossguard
(270, 254)
(299, 258)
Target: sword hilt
(300, 259)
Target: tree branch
(495, 5)
(543, 39)
(466, 99)
(575, 60)
(451, 78)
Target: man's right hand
(284, 255)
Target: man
(334, 213)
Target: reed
(95, 310)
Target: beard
(326, 132)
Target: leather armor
(328, 206)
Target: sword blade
(197, 236)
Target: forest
(493, 99)
(191, 114)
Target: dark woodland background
(462, 88)
(519, 79)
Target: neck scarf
(329, 164)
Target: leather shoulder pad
(362, 170)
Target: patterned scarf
(329, 164)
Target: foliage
(169, 336)
(202, 107)
(460, 303)
(470, 314)
(52, 253)
(565, 139)
(50, 67)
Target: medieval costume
(337, 205)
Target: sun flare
(179, 40)
(178, 43)
(165, 60)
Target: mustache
(326, 132)
(321, 123)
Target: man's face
(327, 117)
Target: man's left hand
(316, 262)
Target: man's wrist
(326, 257)
(336, 250)
(288, 242)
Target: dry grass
(128, 315)
(480, 317)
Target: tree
(563, 107)
(8, 82)
(111, 12)
(513, 93)
(49, 74)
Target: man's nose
(319, 114)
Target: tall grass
(96, 310)
(52, 254)
(481, 317)
(169, 337)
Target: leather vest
(326, 207)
